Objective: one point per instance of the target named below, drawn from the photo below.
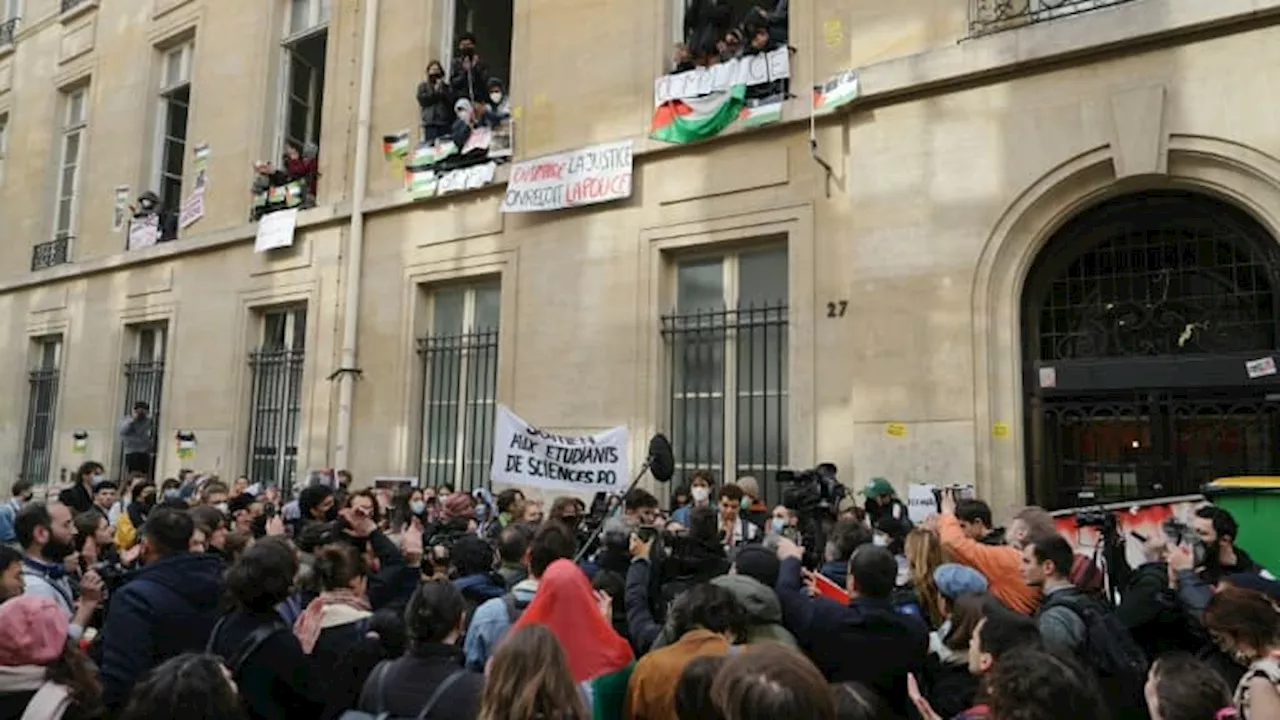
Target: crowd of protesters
(201, 599)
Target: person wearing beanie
(954, 580)
(34, 647)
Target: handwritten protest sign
(747, 70)
(524, 455)
(595, 174)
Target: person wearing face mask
(783, 524)
(753, 508)
(699, 494)
(47, 536)
(435, 100)
(79, 497)
(137, 434)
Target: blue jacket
(836, 571)
(866, 641)
(491, 621)
(167, 609)
(480, 588)
(8, 511)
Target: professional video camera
(814, 496)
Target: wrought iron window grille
(143, 382)
(50, 254)
(458, 405)
(989, 16)
(727, 397)
(274, 414)
(9, 30)
(42, 406)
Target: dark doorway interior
(1147, 322)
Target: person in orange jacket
(1001, 564)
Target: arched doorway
(1147, 325)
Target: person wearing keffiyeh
(336, 622)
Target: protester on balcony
(469, 73)
(435, 100)
(681, 59)
(497, 106)
(464, 121)
(705, 25)
(303, 166)
(148, 205)
(730, 46)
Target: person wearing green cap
(885, 511)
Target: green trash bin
(1255, 504)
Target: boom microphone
(662, 461)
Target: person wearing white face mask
(699, 493)
(79, 497)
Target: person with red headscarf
(599, 658)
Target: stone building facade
(1037, 253)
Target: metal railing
(52, 253)
(274, 412)
(459, 399)
(38, 438)
(143, 382)
(71, 4)
(727, 399)
(9, 30)
(988, 16)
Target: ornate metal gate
(1150, 329)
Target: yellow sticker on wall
(833, 31)
(1000, 430)
(895, 430)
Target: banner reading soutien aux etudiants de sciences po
(525, 455)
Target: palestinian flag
(836, 92)
(694, 119)
(420, 181)
(395, 146)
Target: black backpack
(1109, 651)
(248, 646)
(374, 687)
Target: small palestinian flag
(420, 181)
(836, 92)
(395, 146)
(762, 114)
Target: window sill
(6, 50)
(84, 7)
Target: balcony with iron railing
(51, 254)
(9, 30)
(989, 16)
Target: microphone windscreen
(662, 461)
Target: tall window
(42, 405)
(726, 343)
(490, 22)
(460, 379)
(144, 375)
(175, 103)
(305, 44)
(4, 142)
(276, 397)
(73, 133)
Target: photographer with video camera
(814, 496)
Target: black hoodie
(167, 609)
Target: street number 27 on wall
(837, 309)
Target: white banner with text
(595, 174)
(526, 455)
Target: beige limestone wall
(937, 203)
